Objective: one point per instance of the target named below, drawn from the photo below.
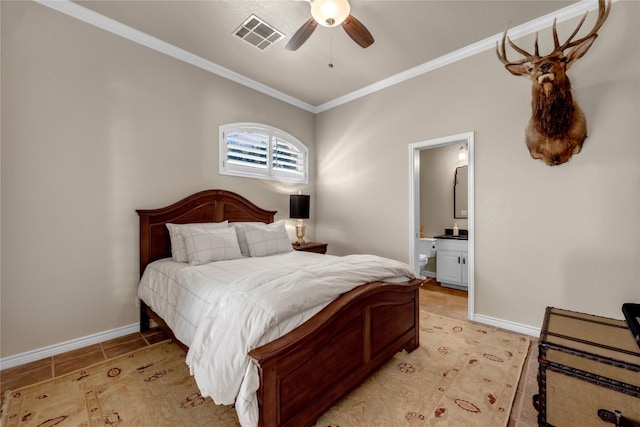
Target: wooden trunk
(589, 372)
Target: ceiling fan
(331, 13)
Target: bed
(309, 369)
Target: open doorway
(461, 141)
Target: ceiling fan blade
(357, 31)
(302, 35)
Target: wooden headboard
(205, 206)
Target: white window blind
(262, 151)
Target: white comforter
(182, 304)
(261, 307)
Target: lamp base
(300, 229)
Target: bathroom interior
(443, 239)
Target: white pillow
(270, 241)
(178, 252)
(242, 227)
(203, 246)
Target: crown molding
(93, 18)
(538, 24)
(90, 17)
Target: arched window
(261, 151)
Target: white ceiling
(407, 34)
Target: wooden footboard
(307, 371)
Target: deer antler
(502, 54)
(603, 13)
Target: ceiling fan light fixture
(330, 13)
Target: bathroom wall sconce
(462, 153)
(299, 208)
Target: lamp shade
(299, 206)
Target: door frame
(414, 203)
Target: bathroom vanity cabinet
(451, 261)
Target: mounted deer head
(557, 128)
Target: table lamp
(299, 208)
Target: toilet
(427, 247)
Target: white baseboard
(53, 350)
(505, 324)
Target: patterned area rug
(462, 375)
(147, 387)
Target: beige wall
(437, 176)
(94, 127)
(564, 236)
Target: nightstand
(320, 248)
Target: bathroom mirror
(460, 193)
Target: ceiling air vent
(258, 33)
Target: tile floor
(433, 298)
(61, 364)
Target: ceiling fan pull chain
(331, 47)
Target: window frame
(270, 172)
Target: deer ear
(578, 51)
(518, 69)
